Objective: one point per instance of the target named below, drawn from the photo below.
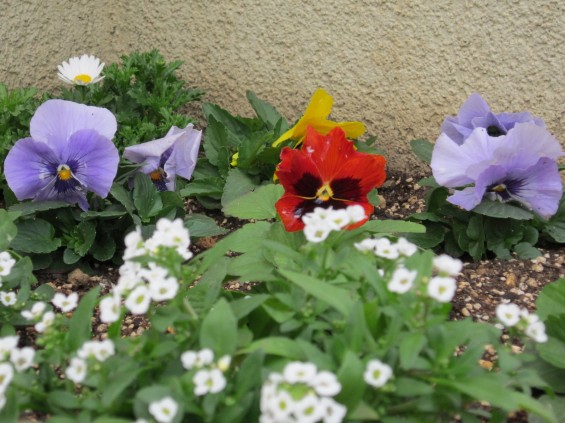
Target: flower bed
(345, 316)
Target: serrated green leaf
(526, 251)
(200, 225)
(267, 113)
(259, 204)
(216, 145)
(146, 197)
(502, 210)
(238, 183)
(32, 207)
(123, 196)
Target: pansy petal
(539, 187)
(288, 209)
(466, 198)
(97, 159)
(298, 173)
(185, 153)
(509, 120)
(474, 106)
(358, 177)
(27, 165)
(320, 105)
(56, 120)
(140, 152)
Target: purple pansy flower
(165, 158)
(475, 113)
(520, 166)
(70, 153)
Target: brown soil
(481, 285)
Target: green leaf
(237, 184)
(259, 204)
(551, 300)
(104, 247)
(83, 236)
(219, 329)
(63, 399)
(279, 346)
(35, 236)
(349, 375)
(80, 325)
(409, 349)
(8, 230)
(553, 403)
(213, 186)
(122, 377)
(502, 210)
(267, 113)
(70, 257)
(392, 227)
(146, 197)
(423, 149)
(32, 207)
(338, 298)
(434, 235)
(216, 145)
(409, 387)
(123, 196)
(200, 225)
(526, 251)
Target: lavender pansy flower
(70, 153)
(475, 113)
(165, 158)
(520, 166)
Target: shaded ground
(481, 285)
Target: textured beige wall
(399, 66)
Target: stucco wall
(399, 66)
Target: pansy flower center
(499, 188)
(156, 175)
(82, 78)
(324, 193)
(64, 172)
(495, 131)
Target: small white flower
(135, 245)
(297, 371)
(377, 373)
(442, 288)
(81, 70)
(46, 321)
(2, 401)
(224, 363)
(338, 219)
(138, 300)
(164, 410)
(191, 359)
(154, 273)
(141, 421)
(402, 280)
(368, 244)
(76, 370)
(7, 344)
(528, 317)
(536, 331)
(309, 409)
(169, 234)
(384, 248)
(8, 298)
(87, 349)
(6, 263)
(6, 375)
(508, 314)
(65, 303)
(110, 308)
(22, 358)
(334, 412)
(164, 289)
(326, 384)
(317, 232)
(104, 349)
(36, 311)
(447, 265)
(188, 359)
(208, 381)
(405, 247)
(356, 213)
(280, 404)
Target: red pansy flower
(326, 172)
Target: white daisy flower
(377, 373)
(81, 70)
(447, 265)
(104, 349)
(65, 303)
(508, 314)
(22, 358)
(402, 280)
(164, 410)
(280, 405)
(442, 288)
(208, 381)
(76, 370)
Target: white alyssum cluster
(100, 351)
(443, 286)
(6, 264)
(377, 373)
(64, 302)
(384, 248)
(319, 223)
(138, 286)
(301, 394)
(37, 313)
(12, 358)
(209, 377)
(164, 410)
(511, 315)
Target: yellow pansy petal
(320, 105)
(352, 130)
(287, 135)
(234, 159)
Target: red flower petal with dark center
(326, 172)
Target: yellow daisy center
(83, 78)
(64, 172)
(325, 192)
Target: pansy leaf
(551, 299)
(213, 186)
(433, 236)
(219, 329)
(267, 113)
(423, 149)
(200, 225)
(259, 204)
(123, 196)
(146, 197)
(82, 237)
(35, 236)
(32, 207)
(525, 251)
(216, 145)
(238, 183)
(502, 210)
(8, 230)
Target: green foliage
(144, 93)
